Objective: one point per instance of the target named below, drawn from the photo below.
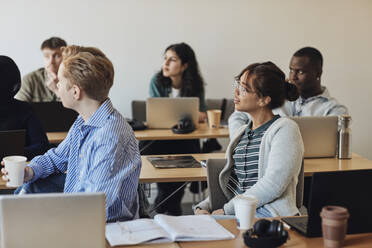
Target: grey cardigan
(279, 164)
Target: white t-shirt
(174, 93)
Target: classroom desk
(202, 132)
(357, 162)
(56, 137)
(296, 240)
(150, 174)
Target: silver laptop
(53, 220)
(319, 134)
(164, 112)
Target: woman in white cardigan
(264, 157)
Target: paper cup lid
(334, 212)
(15, 159)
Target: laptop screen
(164, 112)
(350, 189)
(53, 116)
(319, 134)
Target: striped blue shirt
(99, 155)
(246, 155)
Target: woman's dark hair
(269, 80)
(10, 81)
(192, 81)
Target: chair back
(12, 142)
(213, 103)
(228, 109)
(300, 187)
(216, 196)
(139, 110)
(226, 105)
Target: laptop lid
(166, 162)
(350, 189)
(53, 220)
(12, 142)
(319, 134)
(53, 116)
(164, 112)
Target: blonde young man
(100, 152)
(41, 84)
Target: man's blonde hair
(90, 69)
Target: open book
(164, 228)
(174, 162)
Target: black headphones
(266, 233)
(184, 125)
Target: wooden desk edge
(151, 134)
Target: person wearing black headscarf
(14, 114)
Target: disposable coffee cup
(334, 225)
(245, 210)
(15, 166)
(214, 118)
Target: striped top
(99, 155)
(246, 154)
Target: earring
(318, 78)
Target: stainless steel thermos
(344, 137)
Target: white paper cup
(245, 210)
(15, 165)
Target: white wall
(226, 36)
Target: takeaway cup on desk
(245, 210)
(334, 224)
(15, 166)
(214, 118)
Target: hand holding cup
(15, 172)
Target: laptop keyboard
(298, 222)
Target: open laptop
(53, 220)
(319, 134)
(164, 112)
(12, 142)
(53, 116)
(350, 189)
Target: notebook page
(135, 232)
(192, 227)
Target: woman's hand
(202, 117)
(199, 211)
(218, 212)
